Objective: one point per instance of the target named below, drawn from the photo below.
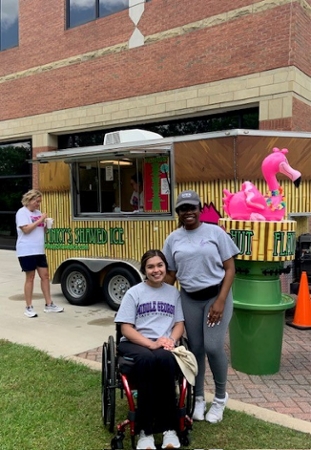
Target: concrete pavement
(78, 334)
(64, 334)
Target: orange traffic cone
(302, 316)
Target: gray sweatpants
(209, 341)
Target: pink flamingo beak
(291, 173)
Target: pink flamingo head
(275, 163)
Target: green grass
(55, 404)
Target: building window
(8, 24)
(15, 180)
(244, 118)
(83, 11)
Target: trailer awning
(155, 146)
(140, 149)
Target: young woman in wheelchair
(152, 322)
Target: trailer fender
(97, 265)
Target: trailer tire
(117, 281)
(78, 285)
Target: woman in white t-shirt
(152, 321)
(30, 226)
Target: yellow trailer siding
(141, 235)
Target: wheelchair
(116, 374)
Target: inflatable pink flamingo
(250, 204)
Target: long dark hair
(150, 254)
(137, 178)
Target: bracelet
(172, 339)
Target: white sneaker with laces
(145, 441)
(53, 308)
(199, 408)
(30, 312)
(216, 411)
(170, 439)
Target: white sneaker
(145, 441)
(170, 439)
(30, 312)
(53, 308)
(199, 408)
(216, 411)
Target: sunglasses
(186, 207)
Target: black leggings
(154, 372)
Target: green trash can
(256, 335)
(257, 325)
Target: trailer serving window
(129, 176)
(124, 185)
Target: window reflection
(107, 7)
(8, 24)
(83, 11)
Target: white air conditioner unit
(124, 136)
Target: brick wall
(276, 124)
(186, 44)
(43, 38)
(301, 115)
(300, 52)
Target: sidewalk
(79, 332)
(61, 335)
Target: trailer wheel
(78, 285)
(117, 281)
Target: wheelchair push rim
(109, 384)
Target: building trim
(272, 90)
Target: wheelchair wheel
(185, 439)
(117, 442)
(109, 384)
(190, 399)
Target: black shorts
(31, 262)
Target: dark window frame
(97, 14)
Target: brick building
(82, 65)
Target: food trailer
(100, 234)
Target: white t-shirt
(31, 243)
(153, 311)
(134, 200)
